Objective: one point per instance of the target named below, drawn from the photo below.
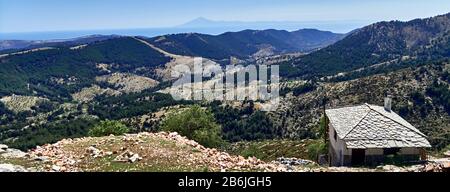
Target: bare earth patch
(89, 93)
(19, 103)
(128, 83)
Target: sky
(67, 15)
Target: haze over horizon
(20, 17)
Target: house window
(391, 151)
(335, 135)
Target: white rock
(4, 147)
(134, 158)
(392, 168)
(42, 158)
(13, 153)
(11, 168)
(173, 135)
(94, 151)
(56, 168)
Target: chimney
(388, 103)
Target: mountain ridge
(244, 44)
(338, 26)
(416, 40)
(30, 44)
(422, 93)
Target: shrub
(245, 124)
(307, 87)
(323, 129)
(316, 149)
(195, 123)
(296, 91)
(107, 127)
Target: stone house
(369, 134)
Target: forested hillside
(61, 71)
(246, 43)
(64, 91)
(389, 45)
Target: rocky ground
(162, 152)
(134, 152)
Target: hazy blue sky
(49, 15)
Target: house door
(358, 156)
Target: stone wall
(338, 149)
(373, 160)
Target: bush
(323, 129)
(296, 91)
(440, 94)
(307, 87)
(195, 123)
(107, 127)
(316, 149)
(46, 133)
(245, 124)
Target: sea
(151, 32)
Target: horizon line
(188, 22)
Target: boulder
(13, 153)
(56, 168)
(134, 158)
(429, 167)
(94, 152)
(11, 168)
(3, 147)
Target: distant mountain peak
(236, 25)
(201, 19)
(198, 22)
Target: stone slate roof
(371, 126)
